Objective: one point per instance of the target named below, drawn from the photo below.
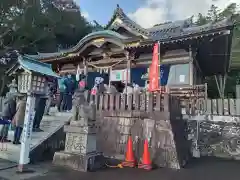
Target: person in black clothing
(69, 90)
(40, 105)
(8, 114)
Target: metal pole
(27, 132)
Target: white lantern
(31, 82)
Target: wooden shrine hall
(123, 49)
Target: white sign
(27, 131)
(119, 75)
(182, 78)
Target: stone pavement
(201, 169)
(4, 164)
(49, 125)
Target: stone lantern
(12, 88)
(31, 80)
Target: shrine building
(122, 50)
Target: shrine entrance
(119, 85)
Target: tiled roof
(167, 30)
(36, 66)
(190, 30)
(79, 44)
(162, 32)
(127, 21)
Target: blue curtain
(164, 74)
(136, 74)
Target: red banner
(154, 69)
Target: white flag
(78, 73)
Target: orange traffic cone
(146, 160)
(129, 159)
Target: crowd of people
(15, 105)
(14, 108)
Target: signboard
(119, 75)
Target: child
(18, 120)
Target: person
(39, 112)
(18, 120)
(51, 90)
(61, 87)
(69, 90)
(8, 114)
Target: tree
(215, 15)
(35, 26)
(201, 20)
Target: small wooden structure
(31, 80)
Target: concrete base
(79, 162)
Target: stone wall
(218, 136)
(46, 150)
(167, 137)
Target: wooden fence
(149, 102)
(144, 102)
(159, 102)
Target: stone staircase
(52, 138)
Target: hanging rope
(106, 67)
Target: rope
(117, 166)
(105, 67)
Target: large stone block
(80, 143)
(79, 162)
(170, 146)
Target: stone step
(49, 125)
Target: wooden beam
(107, 61)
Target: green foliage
(214, 14)
(33, 26)
(38, 26)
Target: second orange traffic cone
(129, 159)
(146, 159)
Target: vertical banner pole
(27, 132)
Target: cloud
(158, 11)
(86, 15)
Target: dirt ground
(200, 169)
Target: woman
(18, 120)
(8, 114)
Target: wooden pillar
(190, 66)
(85, 67)
(238, 99)
(128, 57)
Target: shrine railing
(136, 102)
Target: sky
(148, 12)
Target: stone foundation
(80, 151)
(79, 162)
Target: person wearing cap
(18, 120)
(8, 114)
